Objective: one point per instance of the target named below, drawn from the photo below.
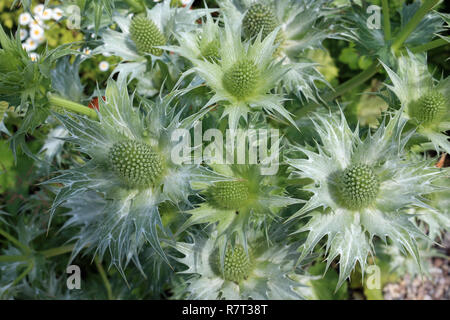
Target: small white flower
(36, 33)
(34, 56)
(57, 14)
(106, 54)
(23, 34)
(103, 66)
(30, 44)
(37, 22)
(87, 51)
(39, 9)
(46, 14)
(24, 18)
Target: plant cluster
(127, 179)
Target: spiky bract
(361, 189)
(264, 272)
(126, 175)
(301, 25)
(141, 36)
(425, 101)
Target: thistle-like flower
(425, 101)
(114, 196)
(242, 76)
(201, 43)
(141, 36)
(361, 189)
(261, 272)
(246, 200)
(302, 25)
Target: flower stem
(71, 106)
(341, 89)
(19, 244)
(24, 273)
(429, 46)
(135, 5)
(386, 20)
(412, 24)
(104, 278)
(57, 251)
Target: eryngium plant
(361, 188)
(242, 76)
(126, 175)
(257, 271)
(425, 100)
(100, 182)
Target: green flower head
(425, 101)
(258, 272)
(142, 36)
(116, 193)
(361, 189)
(302, 25)
(243, 75)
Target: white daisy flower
(34, 56)
(36, 33)
(30, 44)
(57, 14)
(23, 34)
(24, 19)
(39, 9)
(37, 22)
(103, 66)
(46, 14)
(88, 52)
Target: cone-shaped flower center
(241, 79)
(237, 264)
(229, 194)
(357, 186)
(136, 164)
(3, 107)
(210, 51)
(146, 35)
(259, 18)
(429, 108)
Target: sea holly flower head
(242, 197)
(141, 37)
(201, 43)
(301, 25)
(362, 188)
(258, 272)
(425, 101)
(127, 174)
(243, 76)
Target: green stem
(341, 89)
(135, 5)
(104, 278)
(412, 24)
(24, 274)
(57, 251)
(19, 244)
(386, 20)
(13, 258)
(71, 106)
(429, 46)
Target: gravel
(436, 287)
